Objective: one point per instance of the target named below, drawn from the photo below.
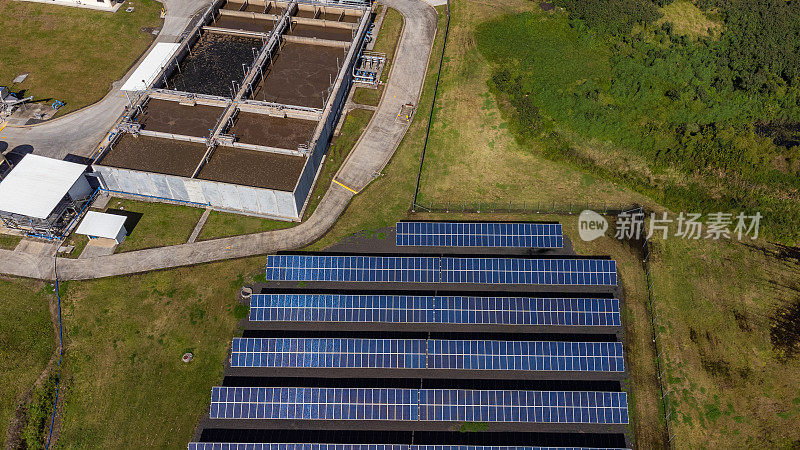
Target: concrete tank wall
(266, 202)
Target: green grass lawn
(126, 384)
(26, 341)
(9, 241)
(388, 38)
(354, 125)
(368, 96)
(72, 54)
(160, 225)
(221, 224)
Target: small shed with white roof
(99, 225)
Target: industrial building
(428, 345)
(40, 196)
(240, 114)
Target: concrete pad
(38, 248)
(98, 247)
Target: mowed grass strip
(221, 224)
(353, 127)
(126, 386)
(72, 54)
(471, 155)
(159, 224)
(26, 341)
(368, 96)
(9, 241)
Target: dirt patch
(214, 63)
(243, 23)
(172, 117)
(253, 168)
(320, 32)
(152, 154)
(300, 75)
(784, 333)
(270, 131)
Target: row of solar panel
(463, 234)
(430, 309)
(423, 404)
(441, 270)
(305, 446)
(436, 354)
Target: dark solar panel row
(419, 404)
(468, 234)
(431, 354)
(441, 270)
(434, 309)
(252, 446)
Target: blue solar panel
(433, 354)
(526, 355)
(466, 234)
(581, 272)
(523, 406)
(328, 352)
(529, 271)
(314, 403)
(429, 309)
(271, 446)
(424, 404)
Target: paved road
(80, 132)
(369, 156)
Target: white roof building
(38, 190)
(101, 225)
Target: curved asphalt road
(369, 156)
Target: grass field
(470, 141)
(354, 125)
(26, 341)
(367, 96)
(72, 54)
(221, 224)
(688, 19)
(126, 386)
(717, 302)
(9, 242)
(160, 224)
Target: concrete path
(80, 132)
(369, 156)
(199, 227)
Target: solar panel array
(329, 352)
(526, 355)
(305, 446)
(582, 272)
(431, 354)
(434, 309)
(469, 234)
(419, 404)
